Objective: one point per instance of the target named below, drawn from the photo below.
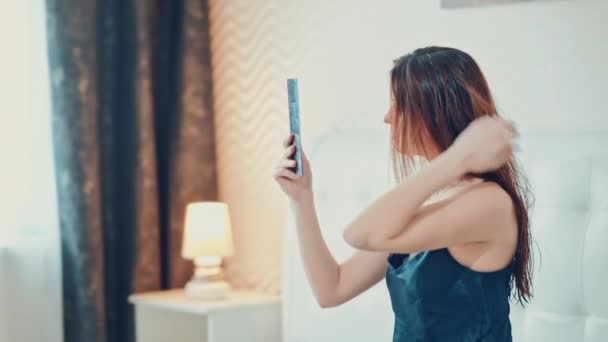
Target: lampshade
(207, 230)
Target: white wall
(545, 62)
(30, 290)
(30, 263)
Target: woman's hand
(485, 145)
(294, 186)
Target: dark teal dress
(435, 298)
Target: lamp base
(207, 290)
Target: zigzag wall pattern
(254, 48)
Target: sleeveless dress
(435, 298)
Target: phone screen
(294, 123)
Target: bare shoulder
(496, 252)
(494, 197)
(490, 194)
(485, 200)
(490, 203)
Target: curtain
(133, 144)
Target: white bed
(569, 176)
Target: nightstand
(170, 316)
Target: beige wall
(248, 66)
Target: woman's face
(389, 118)
(390, 114)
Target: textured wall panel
(252, 56)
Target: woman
(451, 265)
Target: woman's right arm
(332, 283)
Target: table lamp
(207, 239)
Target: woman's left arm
(395, 222)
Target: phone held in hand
(294, 123)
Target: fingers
(508, 150)
(511, 127)
(281, 169)
(509, 135)
(514, 128)
(507, 130)
(289, 151)
(281, 172)
(288, 140)
(287, 163)
(510, 143)
(513, 137)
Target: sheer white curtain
(30, 281)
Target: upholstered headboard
(569, 176)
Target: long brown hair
(437, 92)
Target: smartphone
(294, 123)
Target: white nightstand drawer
(169, 316)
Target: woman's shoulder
(490, 190)
(477, 188)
